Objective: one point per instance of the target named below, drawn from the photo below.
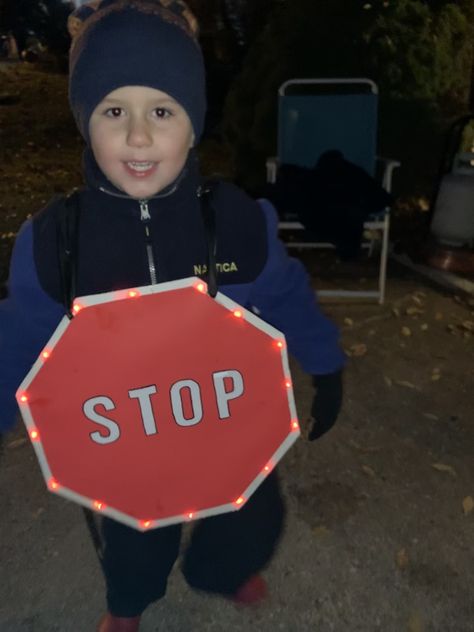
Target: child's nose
(139, 133)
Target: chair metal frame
(379, 224)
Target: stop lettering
(178, 391)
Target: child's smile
(140, 138)
(141, 169)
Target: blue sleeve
(28, 317)
(284, 298)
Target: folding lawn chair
(318, 115)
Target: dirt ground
(380, 526)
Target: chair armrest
(388, 165)
(272, 165)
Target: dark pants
(223, 553)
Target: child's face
(140, 138)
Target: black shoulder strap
(67, 233)
(67, 239)
(205, 194)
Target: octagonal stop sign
(160, 404)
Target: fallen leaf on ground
(17, 443)
(402, 559)
(435, 377)
(38, 512)
(348, 321)
(424, 326)
(321, 531)
(396, 312)
(468, 325)
(442, 467)
(439, 316)
(357, 350)
(416, 298)
(406, 384)
(388, 381)
(414, 311)
(368, 470)
(406, 331)
(415, 623)
(467, 505)
(431, 416)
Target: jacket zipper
(145, 218)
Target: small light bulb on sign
(23, 398)
(76, 308)
(53, 483)
(34, 435)
(295, 425)
(240, 501)
(201, 287)
(144, 524)
(190, 515)
(280, 344)
(45, 355)
(133, 294)
(288, 383)
(238, 313)
(98, 505)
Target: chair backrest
(317, 115)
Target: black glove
(326, 403)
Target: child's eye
(162, 113)
(114, 112)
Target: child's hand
(326, 403)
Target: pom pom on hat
(150, 43)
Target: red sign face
(160, 404)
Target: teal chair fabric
(311, 124)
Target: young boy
(137, 91)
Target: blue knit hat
(150, 43)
